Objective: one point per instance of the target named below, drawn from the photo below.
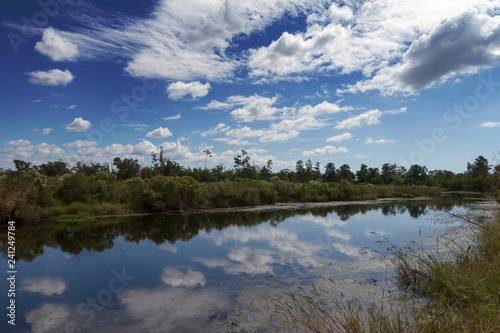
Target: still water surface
(184, 273)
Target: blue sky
(353, 82)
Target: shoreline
(257, 209)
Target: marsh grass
(452, 287)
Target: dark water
(184, 273)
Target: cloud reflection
(243, 260)
(45, 286)
(48, 318)
(176, 278)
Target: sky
(348, 82)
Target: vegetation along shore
(54, 191)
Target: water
(184, 273)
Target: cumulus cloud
(46, 131)
(221, 127)
(46, 150)
(462, 44)
(159, 133)
(340, 137)
(78, 125)
(53, 77)
(253, 108)
(306, 117)
(245, 133)
(249, 108)
(80, 144)
(55, 46)
(179, 40)
(274, 136)
(326, 150)
(180, 89)
(24, 149)
(490, 124)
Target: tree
(388, 172)
(21, 165)
(345, 173)
(51, 169)
(362, 173)
(317, 171)
(242, 160)
(207, 154)
(89, 169)
(417, 175)
(330, 172)
(126, 168)
(165, 166)
(480, 168)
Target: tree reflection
(99, 235)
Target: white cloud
(326, 150)
(144, 148)
(17, 149)
(178, 152)
(46, 150)
(380, 141)
(368, 118)
(55, 46)
(234, 142)
(253, 108)
(274, 136)
(462, 44)
(490, 124)
(180, 89)
(177, 116)
(23, 149)
(179, 40)
(340, 137)
(78, 125)
(54, 77)
(80, 144)
(306, 117)
(71, 107)
(250, 109)
(245, 133)
(159, 133)
(221, 127)
(46, 131)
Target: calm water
(184, 273)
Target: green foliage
(73, 188)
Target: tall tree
(330, 173)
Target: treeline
(33, 193)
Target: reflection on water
(182, 273)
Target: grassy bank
(29, 196)
(455, 289)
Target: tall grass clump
(452, 287)
(461, 280)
